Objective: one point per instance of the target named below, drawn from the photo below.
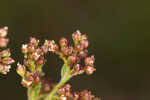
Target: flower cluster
(74, 54)
(31, 71)
(76, 61)
(66, 93)
(5, 59)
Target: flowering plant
(76, 62)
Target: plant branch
(64, 79)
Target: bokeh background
(119, 32)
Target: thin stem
(66, 77)
(30, 94)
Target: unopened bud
(63, 42)
(89, 61)
(26, 83)
(7, 60)
(75, 95)
(3, 31)
(4, 69)
(63, 98)
(35, 56)
(76, 36)
(5, 53)
(89, 70)
(70, 50)
(31, 48)
(76, 67)
(52, 46)
(34, 41)
(40, 61)
(80, 47)
(3, 42)
(85, 43)
(86, 95)
(72, 59)
(24, 48)
(21, 70)
(84, 37)
(64, 50)
(83, 53)
(44, 48)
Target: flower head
(76, 53)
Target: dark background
(119, 33)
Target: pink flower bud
(31, 48)
(40, 61)
(63, 98)
(80, 47)
(86, 95)
(76, 36)
(5, 53)
(45, 48)
(37, 79)
(63, 42)
(52, 46)
(39, 51)
(89, 70)
(85, 43)
(62, 90)
(64, 50)
(83, 53)
(3, 42)
(34, 41)
(70, 50)
(26, 62)
(7, 60)
(26, 83)
(84, 37)
(89, 61)
(3, 31)
(4, 69)
(72, 59)
(76, 95)
(35, 56)
(21, 70)
(46, 85)
(76, 67)
(67, 87)
(24, 48)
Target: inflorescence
(5, 59)
(75, 58)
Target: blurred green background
(119, 34)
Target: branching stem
(64, 79)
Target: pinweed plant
(76, 61)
